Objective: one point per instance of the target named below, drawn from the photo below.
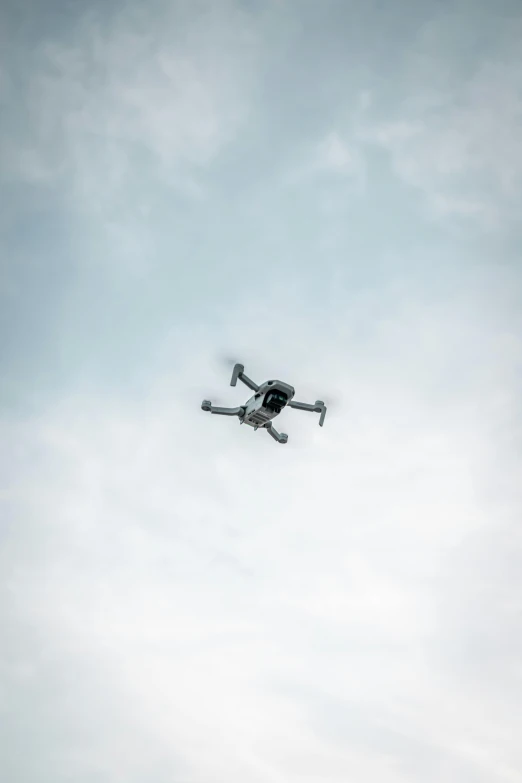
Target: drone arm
(318, 407)
(239, 372)
(206, 405)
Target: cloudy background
(329, 191)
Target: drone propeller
(229, 361)
(201, 391)
(331, 403)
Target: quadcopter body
(267, 402)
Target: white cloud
(335, 155)
(457, 139)
(183, 600)
(246, 610)
(156, 89)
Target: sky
(330, 193)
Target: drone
(266, 403)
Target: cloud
(232, 608)
(334, 155)
(183, 600)
(453, 136)
(161, 91)
(330, 157)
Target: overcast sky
(330, 192)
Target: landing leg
(206, 405)
(280, 437)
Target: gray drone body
(267, 402)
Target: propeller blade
(229, 360)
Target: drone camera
(276, 401)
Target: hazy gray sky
(329, 192)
